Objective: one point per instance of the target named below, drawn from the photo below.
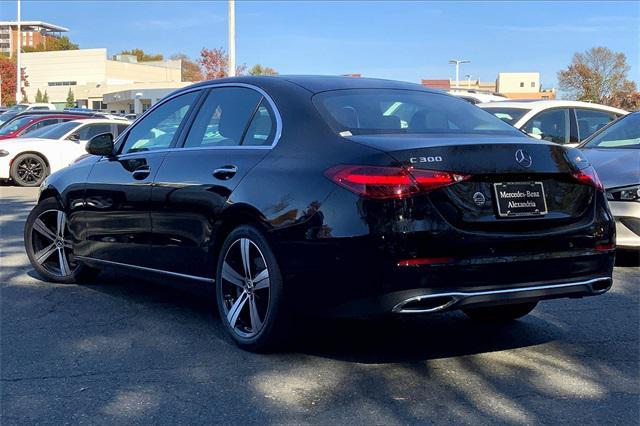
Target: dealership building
(513, 85)
(120, 84)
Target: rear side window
(223, 117)
(551, 125)
(371, 111)
(508, 115)
(90, 130)
(590, 121)
(121, 128)
(262, 127)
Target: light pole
(18, 65)
(468, 77)
(232, 39)
(457, 63)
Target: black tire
(28, 170)
(273, 320)
(38, 242)
(503, 313)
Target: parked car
(26, 123)
(614, 151)
(307, 195)
(17, 109)
(476, 97)
(28, 160)
(563, 122)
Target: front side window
(551, 125)
(508, 115)
(590, 121)
(223, 117)
(159, 128)
(392, 111)
(625, 133)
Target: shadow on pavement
(121, 349)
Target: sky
(396, 39)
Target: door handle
(225, 172)
(141, 172)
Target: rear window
(392, 111)
(508, 115)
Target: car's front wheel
(500, 313)
(28, 170)
(49, 246)
(249, 290)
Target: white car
(563, 122)
(19, 108)
(28, 160)
(476, 97)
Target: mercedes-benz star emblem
(479, 199)
(523, 158)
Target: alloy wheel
(245, 288)
(51, 247)
(30, 171)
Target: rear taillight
(390, 182)
(588, 176)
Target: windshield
(54, 131)
(392, 111)
(15, 125)
(508, 115)
(7, 115)
(624, 133)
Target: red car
(28, 123)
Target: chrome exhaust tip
(424, 304)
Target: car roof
(319, 83)
(98, 121)
(544, 104)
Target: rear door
(118, 190)
(233, 130)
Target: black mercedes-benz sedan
(329, 196)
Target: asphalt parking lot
(120, 350)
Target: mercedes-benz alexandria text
(329, 196)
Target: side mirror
(74, 137)
(101, 144)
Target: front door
(118, 189)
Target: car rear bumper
(424, 301)
(435, 302)
(627, 216)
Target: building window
(533, 84)
(522, 84)
(62, 83)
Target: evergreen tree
(71, 100)
(39, 96)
